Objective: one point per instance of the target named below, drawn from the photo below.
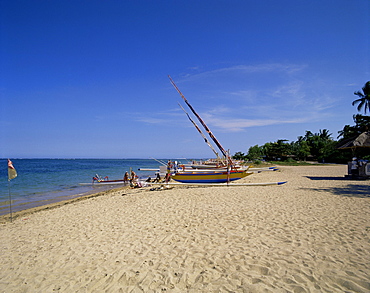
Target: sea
(44, 181)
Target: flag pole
(228, 168)
(12, 173)
(10, 202)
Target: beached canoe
(209, 177)
(106, 182)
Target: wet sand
(308, 235)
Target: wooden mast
(201, 133)
(202, 122)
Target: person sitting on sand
(135, 184)
(157, 178)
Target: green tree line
(319, 146)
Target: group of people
(175, 166)
(128, 179)
(97, 178)
(134, 182)
(132, 178)
(355, 166)
(171, 166)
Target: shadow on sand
(342, 178)
(351, 190)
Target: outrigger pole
(161, 162)
(200, 131)
(220, 184)
(201, 121)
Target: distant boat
(99, 180)
(106, 182)
(209, 177)
(120, 181)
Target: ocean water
(44, 181)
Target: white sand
(309, 235)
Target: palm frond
(358, 93)
(360, 105)
(356, 101)
(366, 89)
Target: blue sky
(88, 79)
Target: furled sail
(201, 133)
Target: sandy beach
(308, 235)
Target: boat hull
(110, 182)
(209, 177)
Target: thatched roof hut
(361, 141)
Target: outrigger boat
(99, 180)
(110, 182)
(231, 173)
(106, 182)
(169, 184)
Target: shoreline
(311, 234)
(56, 203)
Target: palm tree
(364, 100)
(324, 134)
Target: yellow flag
(12, 173)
